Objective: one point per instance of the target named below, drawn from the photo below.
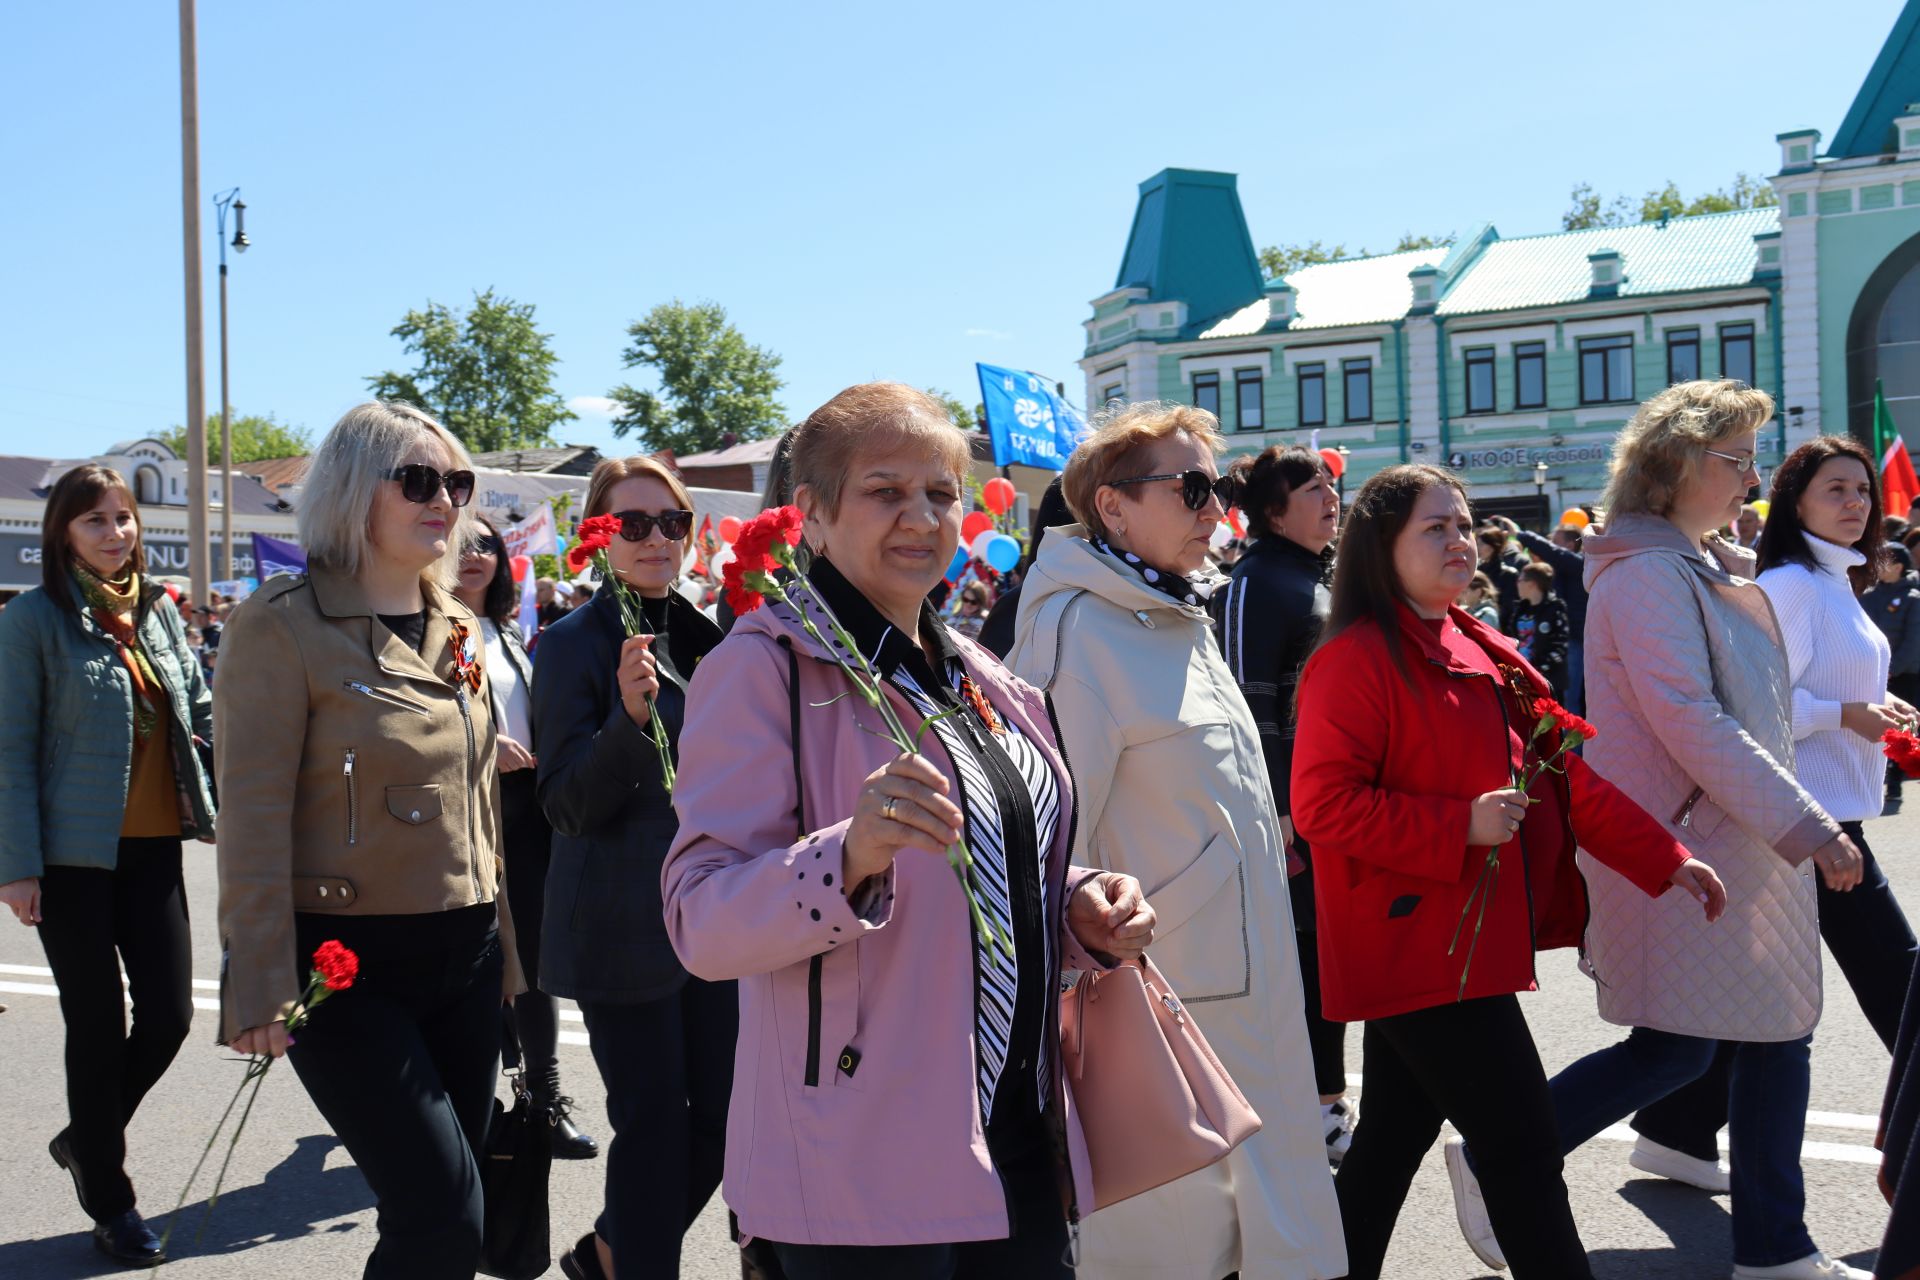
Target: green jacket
(66, 738)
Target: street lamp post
(1540, 480)
(240, 242)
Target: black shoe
(568, 1142)
(1892, 805)
(62, 1152)
(128, 1239)
(582, 1262)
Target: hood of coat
(1639, 535)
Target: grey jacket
(66, 741)
(1688, 685)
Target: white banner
(533, 536)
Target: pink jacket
(855, 1117)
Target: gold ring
(886, 810)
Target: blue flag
(273, 555)
(1029, 424)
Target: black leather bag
(517, 1243)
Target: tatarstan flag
(1899, 487)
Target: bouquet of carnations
(596, 535)
(1903, 748)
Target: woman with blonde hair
(354, 745)
(899, 1105)
(663, 1039)
(1689, 684)
(1174, 791)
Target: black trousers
(92, 920)
(1037, 1249)
(668, 1068)
(402, 1069)
(1473, 1063)
(1326, 1040)
(527, 841)
(1874, 946)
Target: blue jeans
(1767, 1114)
(1576, 699)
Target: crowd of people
(691, 821)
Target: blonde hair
(357, 457)
(612, 471)
(873, 417)
(1658, 452)
(1117, 445)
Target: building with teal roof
(1516, 359)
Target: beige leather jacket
(356, 777)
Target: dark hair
(1052, 512)
(1893, 528)
(1492, 533)
(1269, 478)
(501, 604)
(1540, 575)
(73, 495)
(1894, 553)
(1578, 539)
(1366, 586)
(1783, 539)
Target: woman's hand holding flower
(639, 678)
(1109, 916)
(903, 804)
(269, 1041)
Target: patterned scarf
(1164, 580)
(107, 599)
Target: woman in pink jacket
(898, 1105)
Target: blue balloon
(1003, 553)
(959, 563)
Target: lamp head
(240, 241)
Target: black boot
(568, 1142)
(582, 1262)
(128, 1239)
(62, 1152)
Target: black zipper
(813, 1020)
(1057, 1119)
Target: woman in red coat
(1414, 723)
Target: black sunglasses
(1195, 487)
(635, 526)
(488, 544)
(420, 482)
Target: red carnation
(336, 965)
(741, 598)
(596, 534)
(1903, 748)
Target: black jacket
(605, 936)
(1543, 632)
(1267, 620)
(1569, 576)
(1506, 589)
(1892, 607)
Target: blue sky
(871, 190)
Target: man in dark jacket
(1894, 605)
(1563, 552)
(1506, 576)
(1541, 624)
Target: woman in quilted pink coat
(1688, 684)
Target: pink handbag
(1154, 1102)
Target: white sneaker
(1649, 1156)
(1470, 1208)
(1338, 1119)
(1815, 1266)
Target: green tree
(486, 373)
(1587, 211)
(256, 437)
(1277, 261)
(963, 417)
(713, 382)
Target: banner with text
(534, 536)
(1029, 424)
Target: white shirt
(1835, 655)
(515, 697)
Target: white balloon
(978, 549)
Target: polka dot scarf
(1172, 584)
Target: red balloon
(1336, 463)
(997, 495)
(729, 529)
(173, 592)
(973, 526)
(522, 566)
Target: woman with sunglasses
(663, 1040)
(487, 589)
(354, 743)
(1114, 626)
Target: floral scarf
(107, 599)
(1175, 585)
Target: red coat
(1385, 772)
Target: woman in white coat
(1173, 790)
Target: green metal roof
(1190, 242)
(1708, 251)
(1892, 83)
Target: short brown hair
(612, 471)
(865, 418)
(73, 495)
(1657, 452)
(1117, 444)
(1540, 575)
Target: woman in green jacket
(100, 780)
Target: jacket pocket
(1202, 933)
(414, 805)
(1697, 819)
(386, 698)
(323, 893)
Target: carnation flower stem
(633, 619)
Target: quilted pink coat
(1687, 683)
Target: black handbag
(517, 1243)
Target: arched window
(146, 486)
(1883, 342)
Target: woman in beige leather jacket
(355, 753)
(1173, 790)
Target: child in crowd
(1540, 623)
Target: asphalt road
(294, 1204)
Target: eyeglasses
(636, 526)
(488, 544)
(1195, 487)
(1744, 461)
(420, 482)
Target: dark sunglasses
(488, 544)
(635, 526)
(420, 482)
(1195, 487)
